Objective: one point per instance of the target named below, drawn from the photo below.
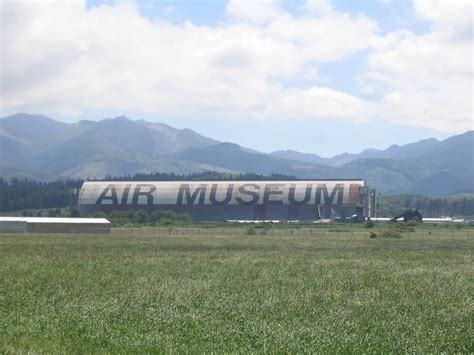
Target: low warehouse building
(54, 225)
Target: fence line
(303, 232)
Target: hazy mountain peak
(122, 118)
(118, 119)
(371, 150)
(466, 137)
(32, 129)
(27, 116)
(86, 123)
(161, 128)
(230, 145)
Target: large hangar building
(303, 200)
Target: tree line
(19, 195)
(140, 217)
(203, 176)
(460, 205)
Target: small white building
(425, 220)
(54, 225)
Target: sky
(321, 76)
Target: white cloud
(317, 7)
(447, 16)
(65, 57)
(68, 58)
(320, 102)
(256, 12)
(428, 78)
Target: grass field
(130, 292)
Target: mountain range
(38, 147)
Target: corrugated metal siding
(13, 226)
(68, 228)
(227, 200)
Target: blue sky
(317, 76)
(390, 15)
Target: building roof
(55, 220)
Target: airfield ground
(186, 290)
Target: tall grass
(285, 293)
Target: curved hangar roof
(219, 193)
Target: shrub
(369, 224)
(169, 216)
(373, 235)
(131, 217)
(99, 214)
(142, 217)
(251, 231)
(391, 233)
(166, 221)
(407, 229)
(74, 212)
(183, 216)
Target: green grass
(333, 292)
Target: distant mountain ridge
(410, 150)
(36, 146)
(112, 146)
